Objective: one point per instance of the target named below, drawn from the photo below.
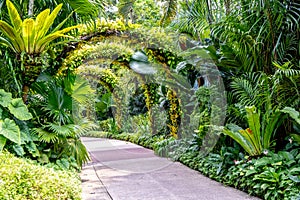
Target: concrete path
(124, 171)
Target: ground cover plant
(25, 179)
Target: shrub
(24, 179)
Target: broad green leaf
(19, 109)
(63, 163)
(14, 16)
(198, 51)
(297, 170)
(263, 161)
(40, 21)
(293, 113)
(45, 40)
(286, 155)
(5, 98)
(254, 123)
(2, 142)
(10, 130)
(11, 34)
(50, 19)
(28, 34)
(43, 159)
(264, 186)
(234, 132)
(19, 150)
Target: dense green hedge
(23, 179)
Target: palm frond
(59, 104)
(45, 136)
(75, 148)
(84, 126)
(61, 130)
(192, 19)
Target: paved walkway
(124, 171)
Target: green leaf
(250, 172)
(254, 124)
(295, 170)
(296, 179)
(14, 16)
(19, 150)
(81, 90)
(19, 109)
(31, 147)
(241, 136)
(5, 98)
(63, 163)
(293, 113)
(263, 161)
(45, 136)
(264, 186)
(2, 142)
(10, 130)
(28, 33)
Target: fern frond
(45, 136)
(61, 130)
(244, 91)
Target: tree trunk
(30, 8)
(25, 91)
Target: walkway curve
(121, 170)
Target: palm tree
(29, 39)
(57, 104)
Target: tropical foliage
(212, 84)
(28, 39)
(11, 108)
